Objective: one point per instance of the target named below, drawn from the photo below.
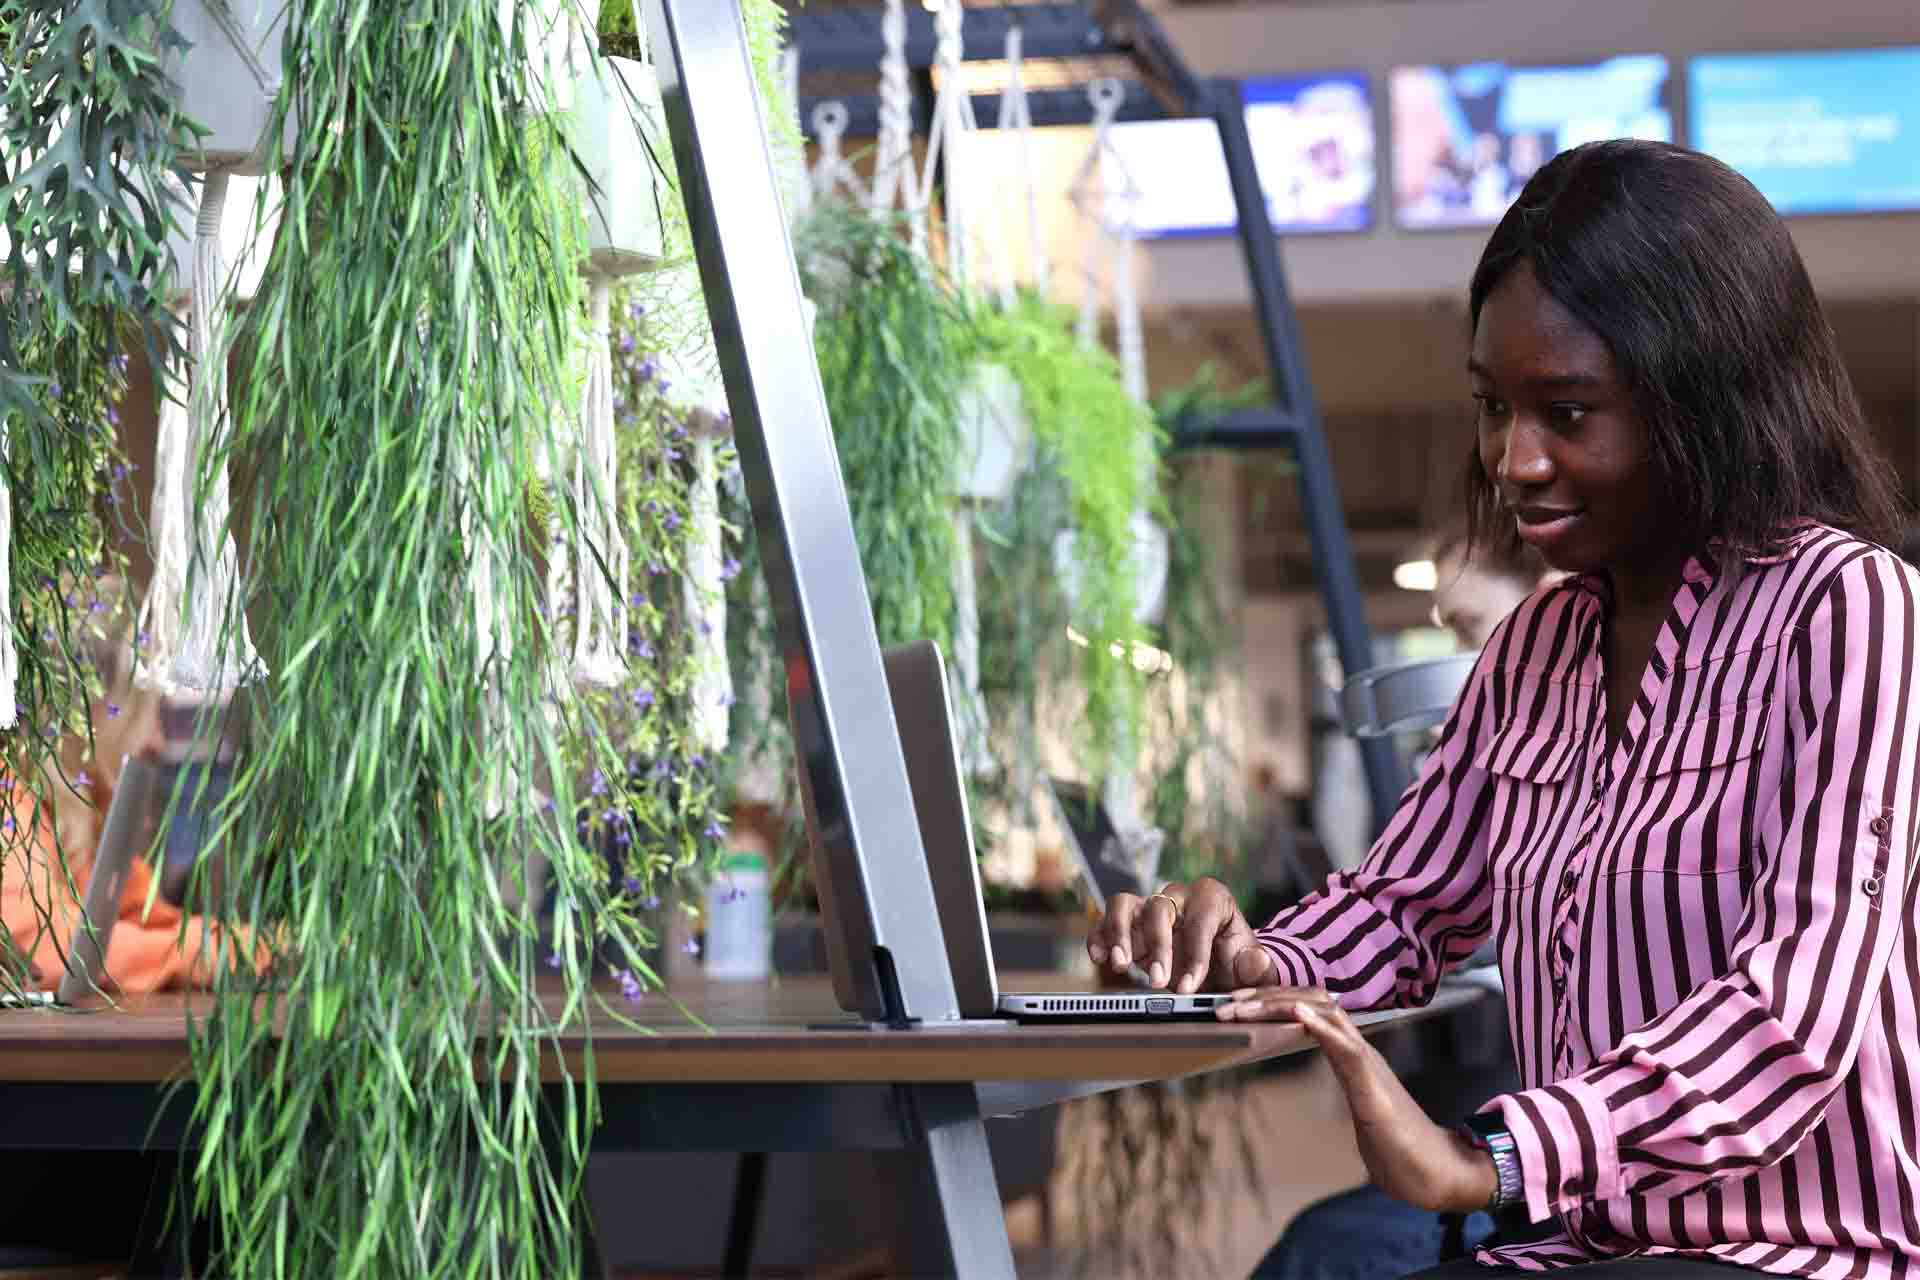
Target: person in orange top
(42, 904)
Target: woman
(1678, 790)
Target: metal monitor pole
(890, 955)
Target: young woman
(1678, 791)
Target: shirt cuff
(1295, 962)
(1564, 1137)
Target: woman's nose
(1525, 462)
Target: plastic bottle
(740, 919)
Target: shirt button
(1871, 886)
(1881, 825)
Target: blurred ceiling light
(1416, 575)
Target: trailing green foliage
(1098, 441)
(86, 126)
(1198, 788)
(891, 341)
(376, 1110)
(659, 818)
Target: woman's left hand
(1407, 1155)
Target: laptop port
(1159, 1004)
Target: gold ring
(1170, 902)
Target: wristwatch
(1489, 1133)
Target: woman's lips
(1543, 526)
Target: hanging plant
(1198, 791)
(87, 128)
(1089, 434)
(891, 343)
(414, 325)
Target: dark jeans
(1611, 1269)
(1362, 1235)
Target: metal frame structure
(847, 40)
(883, 933)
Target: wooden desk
(763, 1077)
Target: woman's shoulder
(1833, 577)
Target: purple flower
(729, 569)
(73, 601)
(611, 817)
(651, 902)
(119, 471)
(636, 310)
(642, 699)
(546, 804)
(113, 499)
(54, 389)
(630, 986)
(673, 455)
(673, 521)
(143, 639)
(632, 884)
(715, 831)
(664, 386)
(691, 946)
(113, 416)
(727, 699)
(656, 569)
(98, 606)
(646, 371)
(637, 600)
(706, 627)
(113, 710)
(626, 344)
(619, 404)
(651, 506)
(622, 837)
(661, 769)
(599, 783)
(553, 960)
(46, 583)
(119, 363)
(698, 762)
(638, 646)
(7, 826)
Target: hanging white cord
(969, 707)
(1016, 121)
(600, 560)
(706, 593)
(894, 180)
(833, 174)
(9, 659)
(799, 189)
(947, 145)
(1090, 193)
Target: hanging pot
(1151, 559)
(995, 433)
(229, 78)
(616, 111)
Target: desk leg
(749, 1191)
(952, 1140)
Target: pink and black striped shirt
(1708, 931)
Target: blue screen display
(1817, 132)
(1312, 139)
(1467, 138)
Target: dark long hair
(1686, 273)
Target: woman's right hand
(1187, 937)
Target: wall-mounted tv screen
(1467, 138)
(1312, 141)
(1818, 132)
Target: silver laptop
(917, 682)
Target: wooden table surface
(754, 1033)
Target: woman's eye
(1568, 414)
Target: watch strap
(1489, 1133)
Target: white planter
(616, 110)
(229, 79)
(1151, 559)
(994, 434)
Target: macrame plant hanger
(1105, 195)
(193, 626)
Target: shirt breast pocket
(1529, 768)
(1700, 783)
